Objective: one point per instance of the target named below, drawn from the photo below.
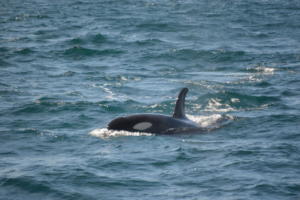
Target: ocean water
(69, 67)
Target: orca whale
(157, 123)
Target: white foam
(265, 70)
(215, 106)
(109, 93)
(105, 133)
(211, 121)
(235, 100)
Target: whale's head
(120, 123)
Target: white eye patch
(142, 126)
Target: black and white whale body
(157, 123)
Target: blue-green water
(69, 67)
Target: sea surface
(67, 68)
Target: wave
(56, 104)
(162, 27)
(149, 42)
(93, 39)
(98, 38)
(50, 105)
(214, 55)
(4, 63)
(29, 185)
(8, 92)
(79, 51)
(24, 51)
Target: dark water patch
(291, 67)
(129, 183)
(244, 153)
(119, 107)
(149, 42)
(280, 126)
(64, 124)
(292, 189)
(75, 3)
(10, 92)
(93, 39)
(38, 16)
(4, 50)
(4, 85)
(168, 158)
(52, 105)
(294, 81)
(182, 155)
(48, 106)
(25, 52)
(288, 93)
(264, 188)
(202, 55)
(91, 69)
(81, 52)
(24, 73)
(225, 56)
(285, 118)
(160, 27)
(44, 32)
(5, 53)
(275, 56)
(285, 150)
(7, 153)
(32, 131)
(98, 38)
(28, 186)
(4, 63)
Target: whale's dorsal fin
(180, 103)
